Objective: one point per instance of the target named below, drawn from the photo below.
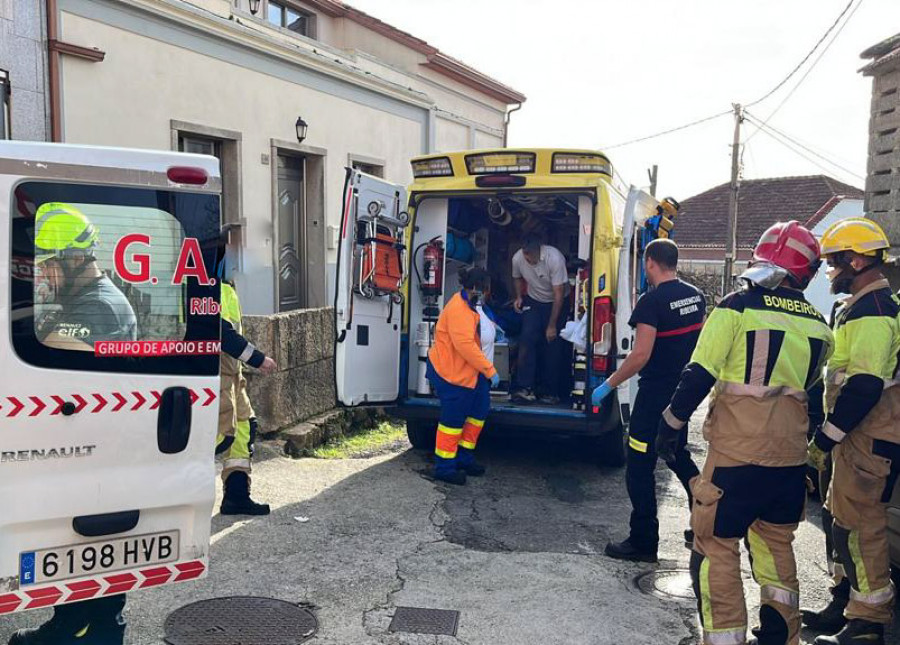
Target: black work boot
(465, 461)
(856, 632)
(54, 632)
(830, 619)
(625, 550)
(236, 500)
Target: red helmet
(789, 246)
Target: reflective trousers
(864, 472)
(237, 425)
(463, 412)
(640, 473)
(763, 506)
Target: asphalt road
(518, 553)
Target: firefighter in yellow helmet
(762, 351)
(77, 304)
(237, 421)
(862, 433)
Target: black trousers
(640, 473)
(540, 362)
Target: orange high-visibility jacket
(456, 354)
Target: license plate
(93, 558)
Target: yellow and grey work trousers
(863, 477)
(763, 505)
(235, 433)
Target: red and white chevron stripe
(94, 403)
(115, 583)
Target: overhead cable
(805, 58)
(669, 131)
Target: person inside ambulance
(542, 284)
(862, 433)
(462, 377)
(763, 349)
(76, 303)
(238, 426)
(85, 308)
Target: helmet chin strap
(842, 281)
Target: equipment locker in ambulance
(474, 208)
(110, 353)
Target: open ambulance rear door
(109, 387)
(638, 207)
(368, 309)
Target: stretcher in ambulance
(108, 393)
(474, 208)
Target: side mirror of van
(173, 425)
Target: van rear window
(108, 278)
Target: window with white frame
(292, 18)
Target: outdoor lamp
(301, 126)
(254, 6)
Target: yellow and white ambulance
(473, 208)
(110, 352)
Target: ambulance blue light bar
(580, 162)
(500, 163)
(434, 167)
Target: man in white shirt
(542, 282)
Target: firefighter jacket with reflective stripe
(864, 364)
(763, 351)
(456, 354)
(235, 348)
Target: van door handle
(106, 524)
(173, 425)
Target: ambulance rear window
(108, 278)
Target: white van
(399, 255)
(109, 388)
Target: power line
(669, 131)
(805, 58)
(789, 143)
(808, 149)
(808, 71)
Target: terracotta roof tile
(761, 203)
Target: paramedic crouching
(85, 308)
(541, 279)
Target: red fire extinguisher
(432, 282)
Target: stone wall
(302, 344)
(883, 177)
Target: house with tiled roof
(817, 201)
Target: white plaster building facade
(210, 76)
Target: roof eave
(464, 74)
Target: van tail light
(187, 175)
(602, 335)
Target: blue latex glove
(603, 391)
(495, 380)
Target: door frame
(315, 286)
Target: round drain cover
(240, 620)
(666, 583)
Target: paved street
(518, 552)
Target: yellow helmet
(856, 234)
(63, 230)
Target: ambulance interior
(485, 231)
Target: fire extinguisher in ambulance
(432, 282)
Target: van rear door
(109, 387)
(638, 207)
(368, 309)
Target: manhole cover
(240, 620)
(666, 583)
(417, 620)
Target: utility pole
(731, 222)
(653, 175)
